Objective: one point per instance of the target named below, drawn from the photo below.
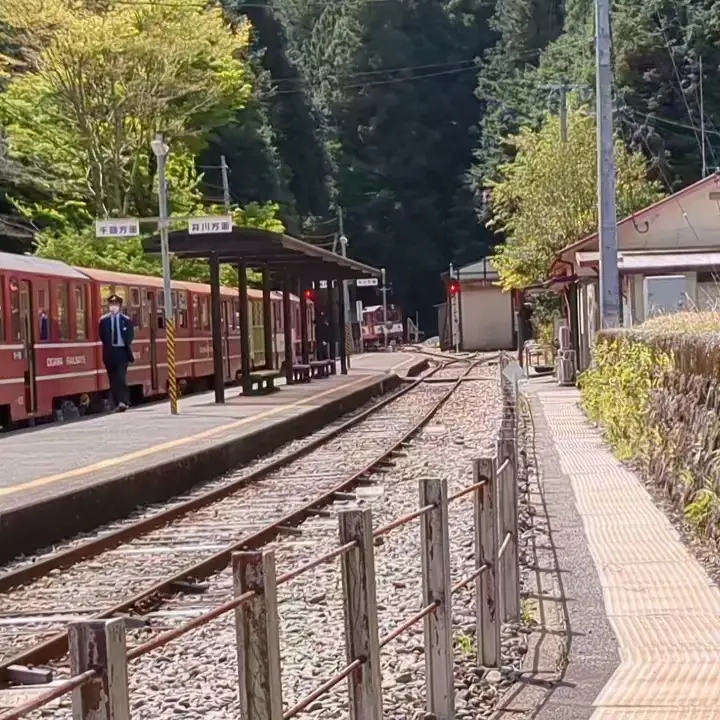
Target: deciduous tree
(547, 196)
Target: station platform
(642, 614)
(61, 479)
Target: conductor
(116, 334)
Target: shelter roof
(261, 248)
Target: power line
(379, 71)
(388, 81)
(679, 81)
(668, 184)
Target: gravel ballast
(196, 676)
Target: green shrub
(655, 392)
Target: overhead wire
(667, 183)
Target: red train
(372, 327)
(50, 354)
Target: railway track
(171, 552)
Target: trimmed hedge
(656, 392)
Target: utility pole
(225, 182)
(161, 150)
(702, 121)
(607, 215)
(563, 113)
(384, 296)
(346, 285)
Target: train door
(227, 322)
(153, 324)
(21, 302)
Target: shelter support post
(287, 329)
(319, 330)
(267, 319)
(216, 313)
(343, 333)
(332, 319)
(303, 322)
(244, 328)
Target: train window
(81, 331)
(182, 310)
(15, 319)
(43, 313)
(2, 309)
(133, 309)
(235, 314)
(146, 304)
(105, 292)
(63, 310)
(205, 312)
(196, 312)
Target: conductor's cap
(115, 300)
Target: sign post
(130, 227)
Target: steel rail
(57, 645)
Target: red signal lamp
(311, 295)
(454, 288)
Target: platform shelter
(286, 263)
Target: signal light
(311, 295)
(454, 288)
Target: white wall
(487, 318)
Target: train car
(47, 342)
(51, 355)
(373, 330)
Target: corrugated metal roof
(656, 261)
(41, 266)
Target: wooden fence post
(361, 621)
(100, 645)
(487, 585)
(258, 641)
(509, 564)
(435, 553)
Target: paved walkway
(660, 603)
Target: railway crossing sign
(366, 282)
(210, 225)
(117, 227)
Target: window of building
(63, 311)
(81, 319)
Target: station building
(668, 260)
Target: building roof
(482, 269)
(649, 262)
(713, 179)
(261, 248)
(40, 266)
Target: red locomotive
(50, 354)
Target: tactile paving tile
(664, 609)
(662, 685)
(674, 638)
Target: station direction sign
(117, 227)
(366, 282)
(210, 225)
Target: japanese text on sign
(366, 282)
(209, 225)
(127, 227)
